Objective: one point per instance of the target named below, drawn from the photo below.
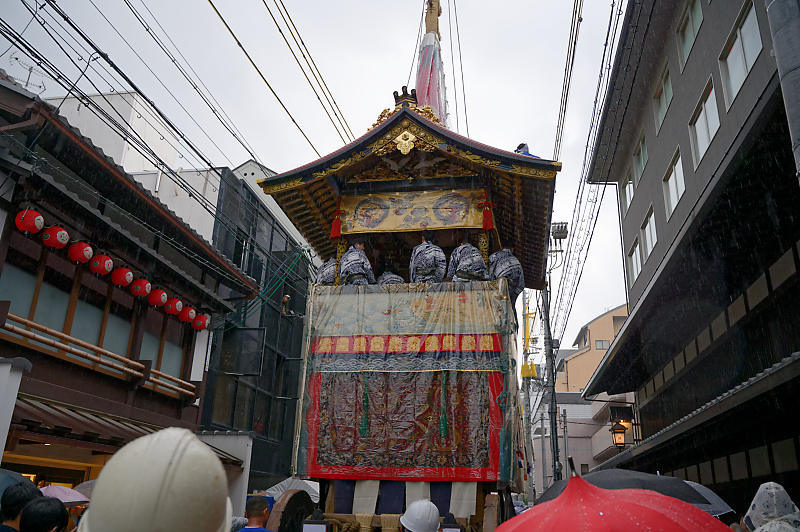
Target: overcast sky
(513, 59)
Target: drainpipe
(784, 26)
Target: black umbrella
(615, 479)
(9, 478)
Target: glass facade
(254, 370)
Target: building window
(741, 52)
(634, 262)
(640, 159)
(649, 237)
(674, 185)
(601, 344)
(584, 469)
(626, 191)
(662, 98)
(704, 124)
(687, 31)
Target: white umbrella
(294, 483)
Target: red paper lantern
(201, 321)
(157, 298)
(173, 306)
(80, 252)
(122, 276)
(187, 314)
(140, 287)
(55, 237)
(29, 221)
(101, 265)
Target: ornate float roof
(406, 150)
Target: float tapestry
(410, 211)
(408, 382)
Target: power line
(314, 64)
(145, 63)
(461, 65)
(580, 219)
(416, 43)
(188, 78)
(137, 142)
(178, 136)
(591, 219)
(191, 68)
(23, 30)
(261, 75)
(452, 58)
(313, 88)
(577, 10)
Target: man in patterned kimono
(327, 272)
(466, 263)
(354, 267)
(428, 262)
(388, 276)
(504, 264)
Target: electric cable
(174, 176)
(261, 75)
(452, 58)
(314, 64)
(23, 31)
(587, 161)
(61, 13)
(416, 44)
(461, 65)
(188, 78)
(138, 144)
(313, 88)
(577, 10)
(196, 75)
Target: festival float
(412, 388)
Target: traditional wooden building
(110, 296)
(409, 150)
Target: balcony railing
(94, 354)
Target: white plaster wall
(239, 445)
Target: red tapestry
(405, 428)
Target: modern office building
(694, 134)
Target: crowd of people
(428, 265)
(126, 502)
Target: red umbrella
(582, 506)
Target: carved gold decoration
(386, 148)
(533, 172)
(399, 137)
(341, 247)
(426, 168)
(385, 115)
(341, 164)
(426, 112)
(474, 157)
(279, 187)
(483, 246)
(405, 142)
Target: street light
(618, 435)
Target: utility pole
(566, 438)
(551, 382)
(527, 384)
(544, 455)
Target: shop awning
(48, 421)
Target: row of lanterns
(31, 222)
